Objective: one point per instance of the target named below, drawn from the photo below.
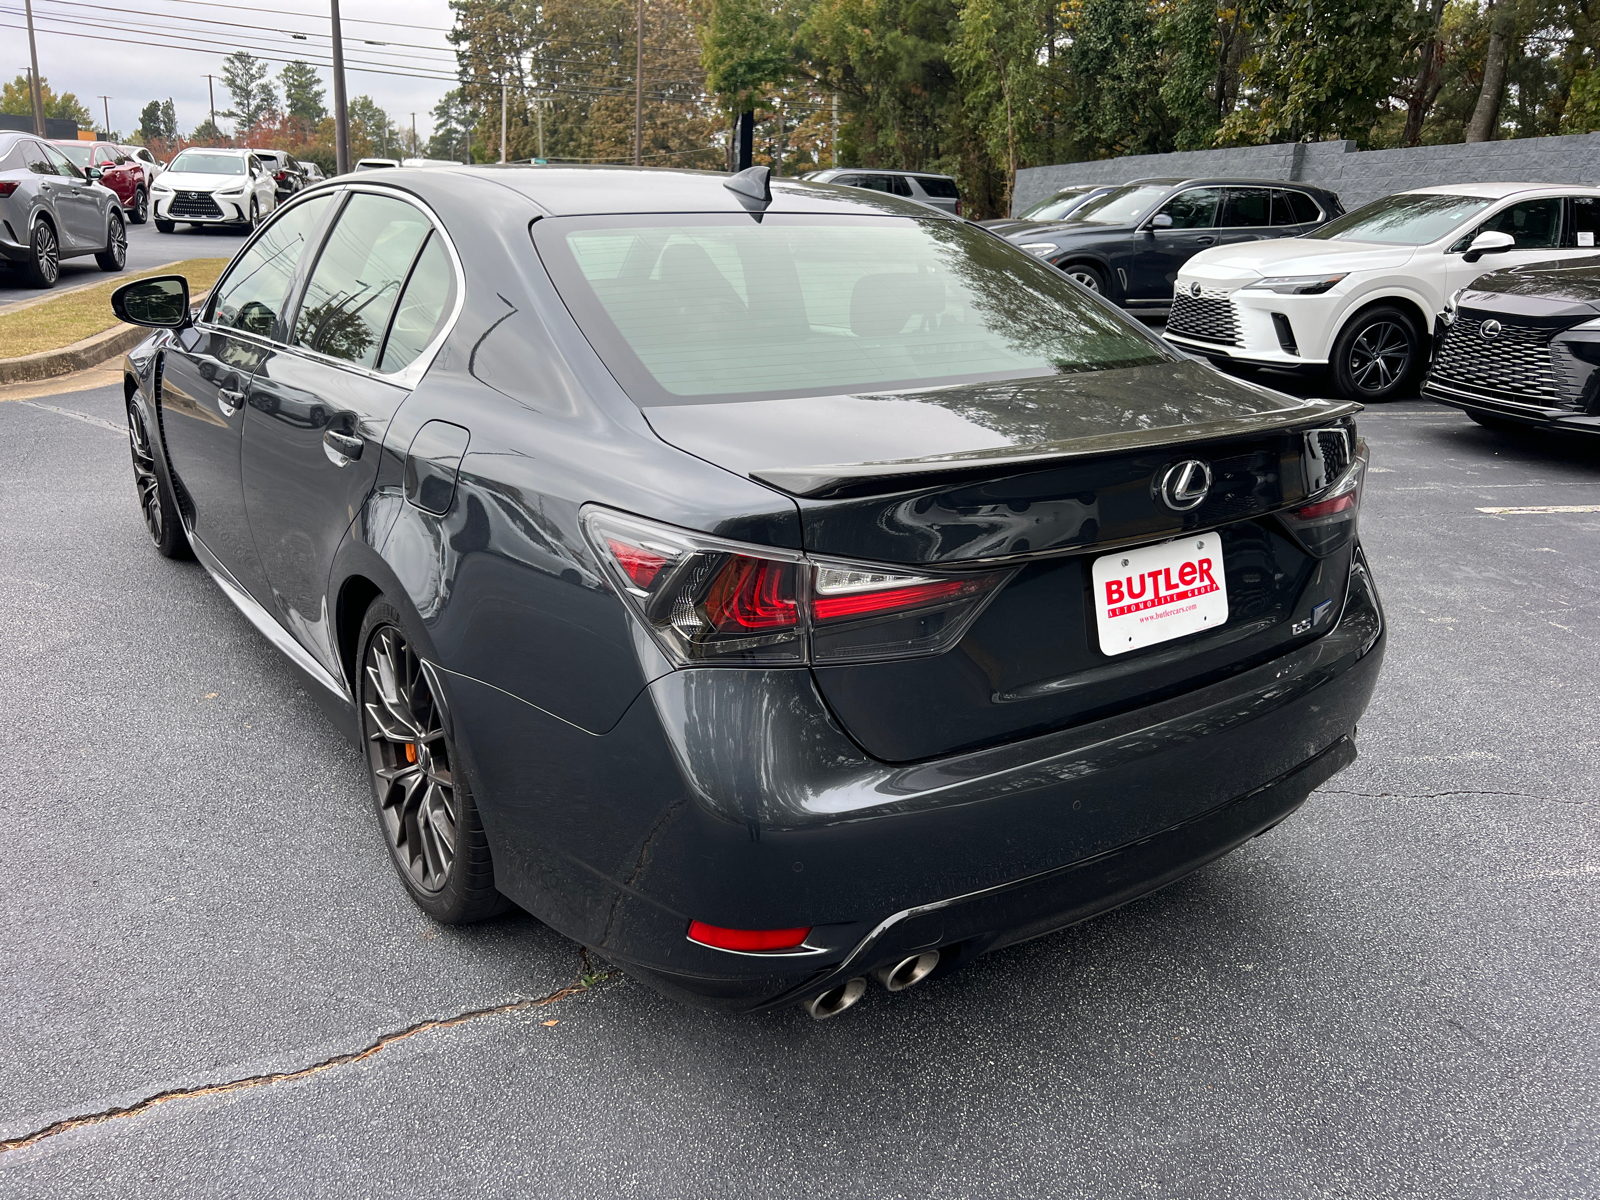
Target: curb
(79, 356)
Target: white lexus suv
(1361, 294)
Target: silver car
(940, 191)
(51, 210)
(209, 186)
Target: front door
(319, 407)
(1160, 252)
(1535, 225)
(83, 221)
(205, 379)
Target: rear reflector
(1326, 508)
(746, 939)
(7, 186)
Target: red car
(123, 175)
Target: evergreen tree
(303, 91)
(254, 98)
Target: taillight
(707, 600)
(280, 176)
(958, 208)
(1328, 523)
(7, 186)
(746, 939)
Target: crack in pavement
(1425, 795)
(588, 979)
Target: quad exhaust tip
(908, 972)
(836, 999)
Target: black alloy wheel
(430, 824)
(155, 499)
(44, 264)
(1087, 276)
(115, 254)
(141, 206)
(1377, 355)
(255, 213)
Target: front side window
(1403, 220)
(62, 164)
(1534, 224)
(202, 162)
(691, 309)
(252, 295)
(357, 280)
(1247, 208)
(1194, 209)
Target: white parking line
(67, 412)
(1529, 509)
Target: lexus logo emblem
(1194, 289)
(1184, 485)
(1490, 329)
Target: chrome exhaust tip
(908, 972)
(836, 999)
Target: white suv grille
(1208, 317)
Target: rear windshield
(202, 163)
(79, 154)
(1052, 207)
(1123, 206)
(941, 189)
(1403, 220)
(689, 309)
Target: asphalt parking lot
(1393, 994)
(146, 249)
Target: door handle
(342, 448)
(229, 401)
(1205, 241)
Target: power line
(298, 34)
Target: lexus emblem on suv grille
(1184, 485)
(1490, 329)
(1194, 289)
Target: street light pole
(38, 92)
(638, 85)
(106, 106)
(341, 109)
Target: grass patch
(70, 318)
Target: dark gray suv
(1129, 244)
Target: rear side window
(1585, 222)
(1283, 209)
(62, 164)
(1194, 209)
(35, 160)
(358, 277)
(1247, 208)
(940, 189)
(428, 298)
(252, 294)
(894, 185)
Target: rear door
(1246, 215)
(1159, 253)
(320, 404)
(205, 377)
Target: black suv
(288, 176)
(1130, 243)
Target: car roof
(1498, 191)
(882, 171)
(566, 191)
(1224, 181)
(219, 150)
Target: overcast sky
(89, 49)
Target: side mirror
(1490, 241)
(160, 302)
(1162, 221)
(93, 174)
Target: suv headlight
(236, 190)
(1038, 249)
(160, 185)
(1296, 285)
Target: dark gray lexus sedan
(770, 585)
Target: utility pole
(211, 90)
(38, 92)
(341, 109)
(504, 88)
(414, 133)
(834, 141)
(638, 85)
(106, 106)
(539, 108)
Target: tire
(141, 207)
(115, 255)
(255, 214)
(1087, 275)
(43, 267)
(1377, 355)
(425, 812)
(156, 502)
(165, 226)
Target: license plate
(1159, 593)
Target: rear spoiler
(838, 480)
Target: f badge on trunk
(1184, 485)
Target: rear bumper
(1553, 420)
(702, 804)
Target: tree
(303, 91)
(245, 77)
(371, 131)
(17, 100)
(452, 128)
(207, 134)
(158, 122)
